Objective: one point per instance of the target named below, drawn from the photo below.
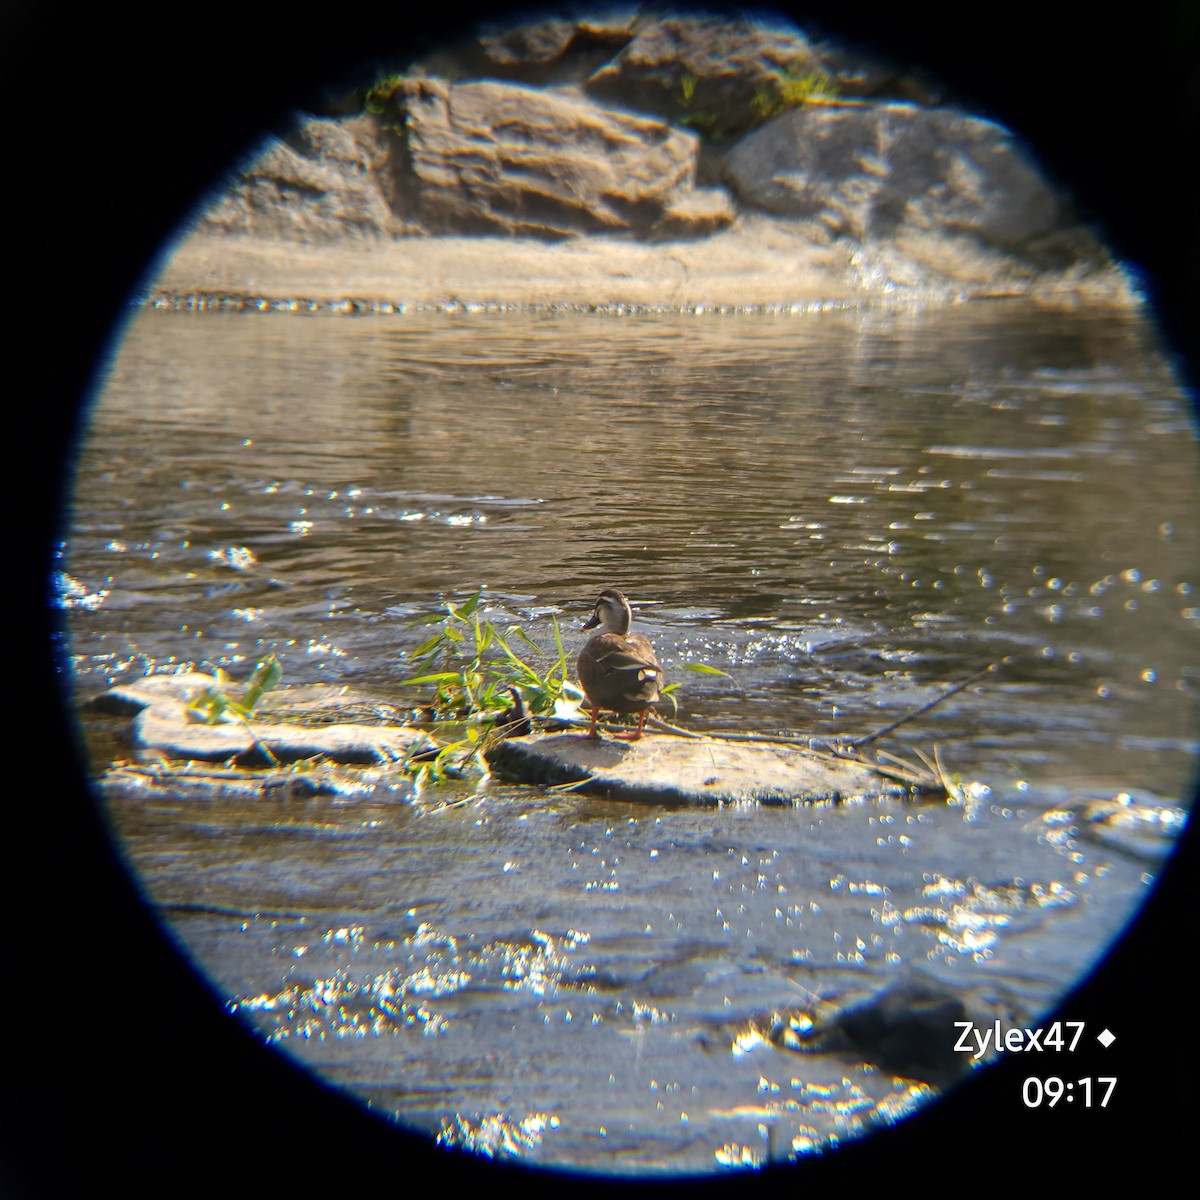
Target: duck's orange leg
(591, 733)
(637, 733)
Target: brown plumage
(618, 670)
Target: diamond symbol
(1105, 1038)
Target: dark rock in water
(1137, 825)
(913, 1028)
(670, 769)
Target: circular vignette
(101, 97)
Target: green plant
(476, 677)
(214, 705)
(387, 100)
(701, 120)
(474, 667)
(381, 97)
(790, 89)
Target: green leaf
(471, 605)
(705, 669)
(483, 636)
(524, 637)
(436, 677)
(269, 673)
(434, 618)
(526, 670)
(562, 654)
(428, 645)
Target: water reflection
(846, 512)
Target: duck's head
(612, 613)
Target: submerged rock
(913, 1027)
(1140, 826)
(670, 769)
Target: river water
(845, 512)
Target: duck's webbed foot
(634, 734)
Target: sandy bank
(756, 262)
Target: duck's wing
(629, 656)
(634, 668)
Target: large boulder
(871, 172)
(490, 157)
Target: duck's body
(618, 670)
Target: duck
(618, 670)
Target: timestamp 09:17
(1091, 1093)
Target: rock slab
(163, 724)
(668, 769)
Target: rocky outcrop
(718, 76)
(547, 52)
(650, 129)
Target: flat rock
(669, 769)
(168, 729)
(324, 724)
(163, 724)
